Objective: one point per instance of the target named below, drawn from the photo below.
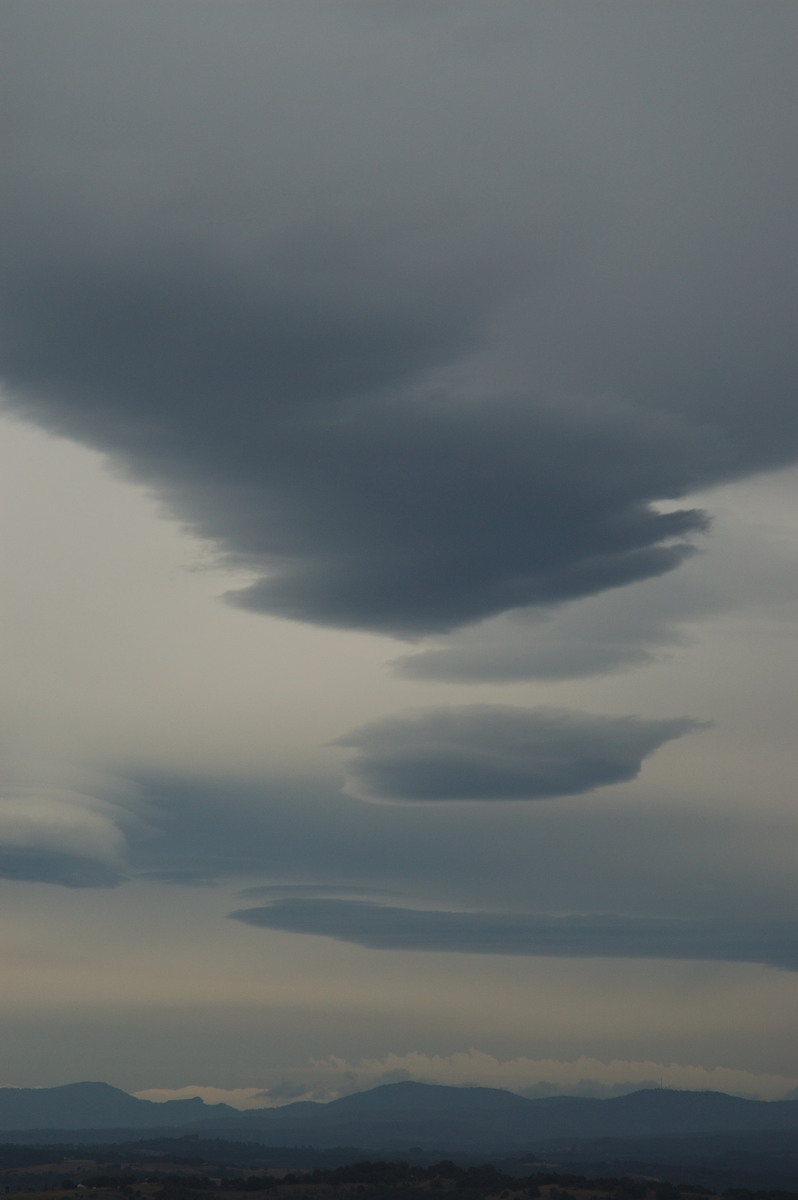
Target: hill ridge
(401, 1115)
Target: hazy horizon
(254, 1099)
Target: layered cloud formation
(61, 837)
(495, 752)
(411, 356)
(382, 927)
(454, 342)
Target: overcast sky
(400, 568)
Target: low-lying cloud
(498, 752)
(382, 927)
(329, 1078)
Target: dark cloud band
(297, 304)
(379, 927)
(497, 752)
(36, 865)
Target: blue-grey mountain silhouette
(398, 1116)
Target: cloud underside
(379, 927)
(600, 635)
(34, 865)
(395, 513)
(67, 837)
(400, 397)
(471, 753)
(498, 752)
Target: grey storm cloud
(416, 322)
(380, 927)
(499, 752)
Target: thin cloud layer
(285, 291)
(623, 629)
(380, 927)
(326, 1079)
(554, 857)
(498, 752)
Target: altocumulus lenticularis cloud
(402, 398)
(591, 935)
(467, 324)
(499, 752)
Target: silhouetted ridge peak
(408, 1094)
(95, 1105)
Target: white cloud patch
(242, 1098)
(328, 1078)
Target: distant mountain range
(97, 1106)
(396, 1117)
